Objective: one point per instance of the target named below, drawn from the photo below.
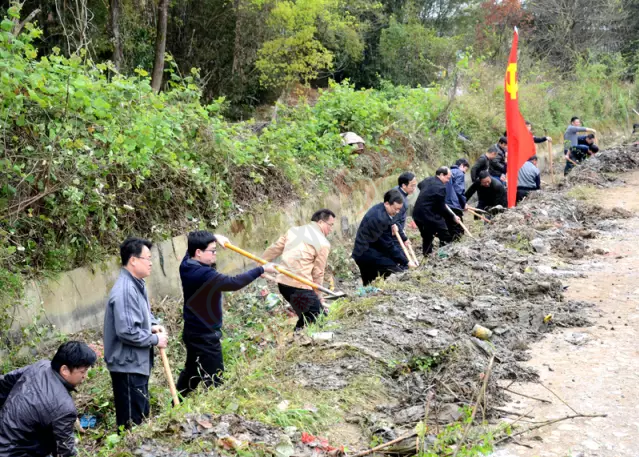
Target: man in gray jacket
(130, 332)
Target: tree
(118, 55)
(412, 54)
(160, 45)
(565, 30)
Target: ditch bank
(404, 356)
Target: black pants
(429, 231)
(371, 271)
(456, 231)
(522, 192)
(304, 302)
(204, 362)
(131, 398)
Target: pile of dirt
(416, 335)
(598, 170)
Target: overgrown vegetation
(89, 156)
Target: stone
(577, 338)
(540, 246)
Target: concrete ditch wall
(75, 300)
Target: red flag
(520, 142)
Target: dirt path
(594, 369)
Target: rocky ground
(412, 340)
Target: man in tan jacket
(304, 251)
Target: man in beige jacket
(304, 251)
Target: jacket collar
(196, 263)
(64, 382)
(139, 283)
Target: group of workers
(37, 413)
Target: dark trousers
(204, 362)
(456, 231)
(131, 398)
(522, 192)
(304, 302)
(371, 271)
(429, 231)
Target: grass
(583, 192)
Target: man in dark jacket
(37, 413)
(376, 251)
(490, 191)
(497, 167)
(430, 212)
(537, 139)
(483, 163)
(406, 184)
(202, 286)
(130, 332)
(456, 196)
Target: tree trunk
(118, 55)
(237, 49)
(160, 45)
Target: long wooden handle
(169, 376)
(281, 270)
(479, 216)
(552, 170)
(460, 222)
(401, 243)
(410, 249)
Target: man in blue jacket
(130, 332)
(376, 251)
(455, 196)
(202, 286)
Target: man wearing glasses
(202, 286)
(304, 251)
(130, 332)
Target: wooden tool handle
(401, 243)
(280, 269)
(169, 376)
(479, 216)
(410, 249)
(552, 169)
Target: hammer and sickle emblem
(511, 80)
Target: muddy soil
(593, 369)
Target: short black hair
(573, 119)
(635, 127)
(132, 247)
(533, 158)
(503, 140)
(73, 354)
(462, 162)
(593, 148)
(200, 239)
(483, 175)
(527, 123)
(323, 214)
(590, 136)
(405, 178)
(393, 196)
(442, 171)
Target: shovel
(406, 253)
(460, 223)
(331, 295)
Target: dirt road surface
(595, 369)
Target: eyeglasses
(148, 259)
(212, 251)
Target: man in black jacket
(483, 163)
(490, 191)
(376, 251)
(430, 212)
(202, 286)
(37, 413)
(497, 167)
